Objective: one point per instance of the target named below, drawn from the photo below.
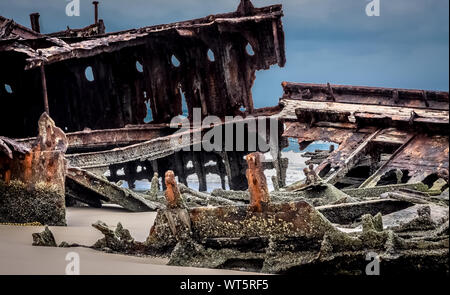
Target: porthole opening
(211, 55)
(249, 49)
(139, 67)
(8, 88)
(89, 74)
(175, 61)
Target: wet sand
(18, 256)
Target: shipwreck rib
(95, 189)
(88, 139)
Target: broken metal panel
(339, 158)
(89, 31)
(309, 134)
(392, 136)
(422, 156)
(12, 30)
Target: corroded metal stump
(172, 193)
(257, 222)
(33, 182)
(257, 184)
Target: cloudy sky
(334, 41)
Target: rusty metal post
(96, 11)
(44, 89)
(172, 193)
(34, 19)
(257, 184)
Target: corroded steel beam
(87, 139)
(316, 112)
(411, 98)
(90, 188)
(149, 150)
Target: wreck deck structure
(113, 96)
(410, 126)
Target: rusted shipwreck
(383, 189)
(135, 76)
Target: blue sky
(334, 41)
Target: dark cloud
(326, 40)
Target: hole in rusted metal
(89, 74)
(175, 61)
(249, 49)
(139, 67)
(394, 176)
(184, 105)
(149, 116)
(430, 179)
(355, 177)
(211, 55)
(325, 170)
(8, 88)
(248, 264)
(301, 155)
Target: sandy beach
(18, 256)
